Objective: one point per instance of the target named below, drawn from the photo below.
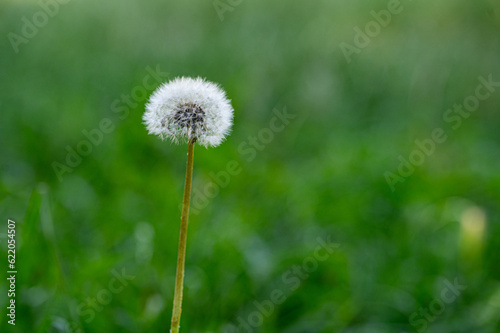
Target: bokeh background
(117, 212)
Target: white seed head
(187, 108)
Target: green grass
(321, 176)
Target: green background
(323, 175)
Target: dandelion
(187, 108)
(192, 110)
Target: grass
(323, 175)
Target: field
(358, 192)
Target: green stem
(181, 258)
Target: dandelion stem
(181, 257)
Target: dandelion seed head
(187, 108)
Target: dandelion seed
(187, 108)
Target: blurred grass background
(322, 176)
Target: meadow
(358, 192)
